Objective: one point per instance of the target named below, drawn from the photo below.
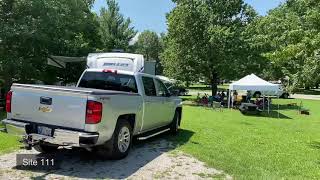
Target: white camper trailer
(121, 61)
(115, 60)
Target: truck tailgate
(52, 106)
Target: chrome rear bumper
(14, 127)
(60, 137)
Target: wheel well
(131, 118)
(179, 110)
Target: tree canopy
(289, 36)
(151, 45)
(206, 39)
(32, 30)
(116, 31)
(148, 44)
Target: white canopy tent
(253, 83)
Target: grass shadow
(290, 106)
(274, 114)
(271, 114)
(315, 145)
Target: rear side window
(149, 87)
(162, 90)
(109, 81)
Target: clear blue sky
(151, 14)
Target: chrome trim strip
(15, 123)
(152, 135)
(15, 128)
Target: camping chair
(216, 105)
(303, 110)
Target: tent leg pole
(278, 108)
(232, 101)
(229, 100)
(268, 106)
(263, 102)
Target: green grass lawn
(250, 147)
(7, 142)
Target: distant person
(234, 97)
(223, 95)
(248, 98)
(217, 97)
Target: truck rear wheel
(44, 148)
(119, 145)
(174, 127)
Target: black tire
(285, 96)
(111, 149)
(45, 148)
(175, 124)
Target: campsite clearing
(256, 147)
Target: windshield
(109, 81)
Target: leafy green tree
(205, 39)
(289, 36)
(32, 30)
(115, 31)
(148, 44)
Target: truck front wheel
(44, 148)
(175, 124)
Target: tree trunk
(7, 83)
(214, 84)
(188, 83)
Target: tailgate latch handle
(46, 100)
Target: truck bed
(54, 105)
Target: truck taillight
(94, 112)
(8, 101)
(110, 71)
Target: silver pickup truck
(102, 113)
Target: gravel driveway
(155, 159)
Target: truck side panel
(113, 107)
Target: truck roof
(116, 54)
(121, 72)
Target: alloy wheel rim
(124, 139)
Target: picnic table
(249, 108)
